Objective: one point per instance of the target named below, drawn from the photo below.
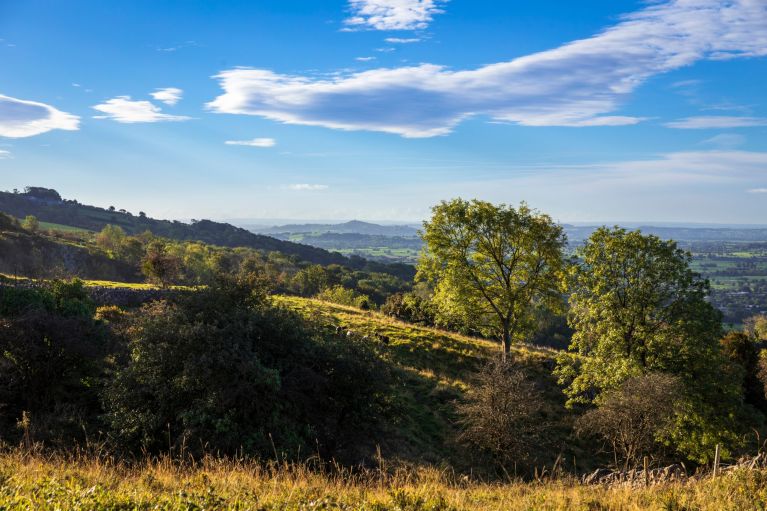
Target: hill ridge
(48, 206)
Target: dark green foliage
(410, 307)
(221, 370)
(742, 350)
(52, 356)
(8, 223)
(159, 266)
(40, 193)
(189, 380)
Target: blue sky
(377, 109)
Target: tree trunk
(506, 342)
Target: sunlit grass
(57, 483)
(49, 226)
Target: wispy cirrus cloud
(392, 14)
(256, 142)
(725, 141)
(21, 118)
(125, 110)
(176, 47)
(306, 187)
(168, 95)
(5, 155)
(402, 40)
(364, 59)
(581, 83)
(758, 190)
(717, 122)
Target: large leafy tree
(493, 264)
(636, 308)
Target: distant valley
(733, 258)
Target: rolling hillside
(48, 207)
(434, 369)
(351, 227)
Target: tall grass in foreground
(58, 483)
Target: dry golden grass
(59, 483)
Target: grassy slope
(434, 368)
(49, 226)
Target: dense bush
(410, 307)
(221, 370)
(51, 360)
(344, 296)
(743, 351)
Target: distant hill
(352, 227)
(48, 206)
(575, 233)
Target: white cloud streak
(758, 190)
(392, 14)
(256, 142)
(717, 122)
(125, 110)
(401, 40)
(725, 141)
(5, 155)
(306, 187)
(20, 118)
(168, 95)
(577, 84)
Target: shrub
(221, 370)
(501, 417)
(51, 356)
(343, 296)
(31, 223)
(8, 223)
(742, 350)
(189, 380)
(410, 307)
(159, 266)
(635, 418)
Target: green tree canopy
(111, 239)
(636, 307)
(160, 266)
(31, 223)
(492, 264)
